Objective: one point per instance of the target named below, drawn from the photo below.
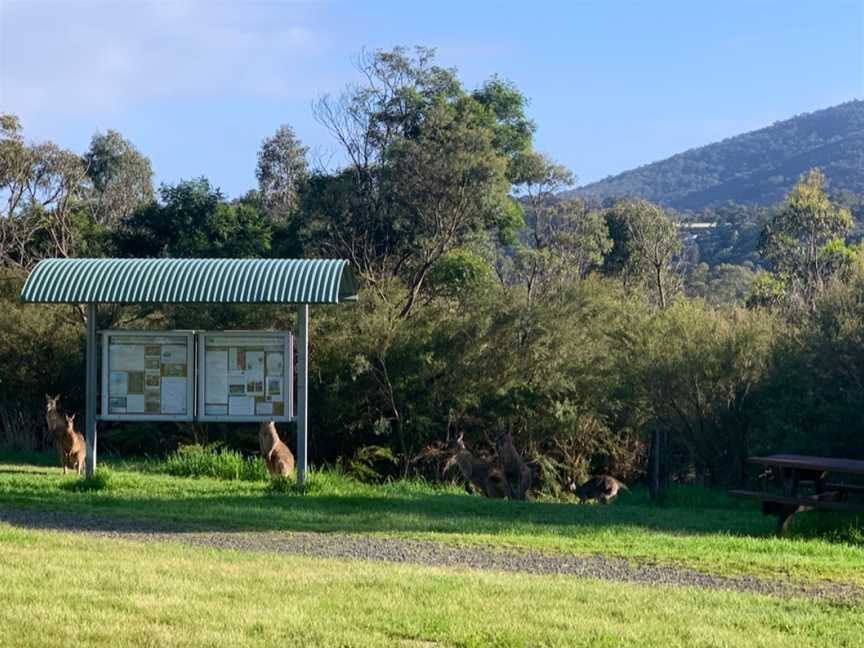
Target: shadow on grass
(444, 513)
(116, 503)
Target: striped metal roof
(191, 281)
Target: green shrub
(363, 463)
(213, 461)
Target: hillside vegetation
(758, 167)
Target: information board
(147, 376)
(245, 376)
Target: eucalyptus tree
(121, 179)
(281, 172)
(645, 247)
(427, 166)
(805, 239)
(40, 185)
(562, 238)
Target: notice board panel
(148, 376)
(245, 376)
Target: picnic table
(796, 470)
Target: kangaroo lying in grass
(516, 472)
(71, 447)
(602, 488)
(276, 454)
(479, 474)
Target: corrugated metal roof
(191, 281)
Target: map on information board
(244, 375)
(147, 375)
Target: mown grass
(701, 529)
(69, 590)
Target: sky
(196, 86)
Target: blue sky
(196, 86)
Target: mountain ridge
(757, 167)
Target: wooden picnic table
(803, 469)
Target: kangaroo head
(268, 429)
(457, 444)
(460, 453)
(70, 421)
(51, 403)
(504, 439)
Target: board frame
(287, 338)
(105, 415)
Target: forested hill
(758, 167)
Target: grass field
(700, 529)
(70, 590)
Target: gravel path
(426, 552)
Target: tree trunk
(660, 293)
(654, 484)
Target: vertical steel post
(302, 389)
(90, 403)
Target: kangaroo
(71, 446)
(602, 488)
(56, 422)
(276, 454)
(516, 472)
(478, 474)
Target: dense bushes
(580, 378)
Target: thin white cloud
(101, 57)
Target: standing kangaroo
(516, 472)
(478, 474)
(62, 430)
(276, 454)
(54, 419)
(70, 445)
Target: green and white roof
(191, 281)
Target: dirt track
(425, 552)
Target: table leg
(790, 487)
(819, 482)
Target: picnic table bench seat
(831, 500)
(802, 469)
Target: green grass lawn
(700, 529)
(73, 590)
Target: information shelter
(133, 360)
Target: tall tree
(192, 219)
(121, 178)
(804, 240)
(562, 239)
(282, 170)
(427, 167)
(40, 185)
(646, 245)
